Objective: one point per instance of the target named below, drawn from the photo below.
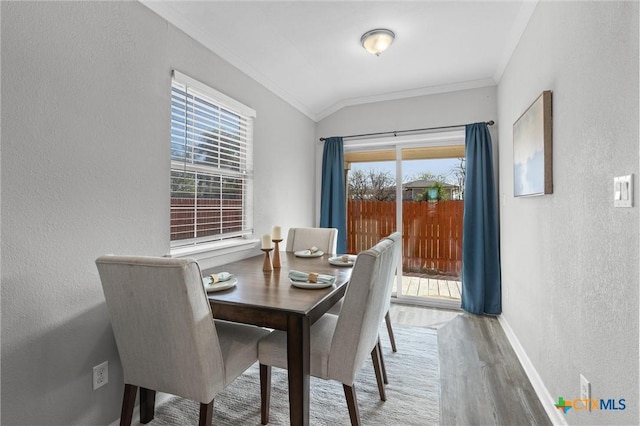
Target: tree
(436, 193)
(431, 177)
(460, 174)
(372, 184)
(358, 185)
(382, 185)
(182, 185)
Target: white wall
(570, 260)
(443, 109)
(85, 171)
(85, 125)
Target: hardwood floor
(481, 379)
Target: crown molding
(166, 11)
(404, 94)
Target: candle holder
(276, 254)
(266, 266)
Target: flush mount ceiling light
(377, 41)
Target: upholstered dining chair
(325, 239)
(340, 344)
(166, 336)
(335, 309)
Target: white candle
(276, 233)
(266, 241)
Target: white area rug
(413, 392)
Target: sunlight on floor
(421, 316)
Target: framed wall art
(532, 154)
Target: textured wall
(85, 144)
(570, 260)
(443, 109)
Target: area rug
(413, 392)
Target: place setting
(310, 252)
(343, 260)
(218, 282)
(310, 280)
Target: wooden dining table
(268, 299)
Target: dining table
(267, 298)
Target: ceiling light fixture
(377, 41)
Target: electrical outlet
(100, 375)
(585, 390)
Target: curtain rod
(395, 132)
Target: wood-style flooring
(481, 380)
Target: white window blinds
(211, 164)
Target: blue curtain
(481, 286)
(333, 207)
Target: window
(211, 164)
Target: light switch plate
(623, 191)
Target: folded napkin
(310, 251)
(220, 276)
(308, 276)
(348, 258)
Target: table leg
(298, 360)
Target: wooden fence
(212, 217)
(432, 232)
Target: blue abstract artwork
(532, 150)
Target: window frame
(242, 171)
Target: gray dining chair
(166, 336)
(325, 239)
(340, 344)
(335, 309)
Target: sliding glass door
(416, 187)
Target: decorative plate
(219, 286)
(309, 285)
(307, 253)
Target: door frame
(439, 139)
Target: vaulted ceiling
(309, 52)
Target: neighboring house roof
(423, 183)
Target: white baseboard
(161, 398)
(541, 390)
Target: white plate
(337, 261)
(219, 286)
(307, 253)
(307, 284)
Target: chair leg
(352, 403)
(387, 319)
(375, 357)
(206, 414)
(128, 402)
(382, 366)
(265, 393)
(147, 405)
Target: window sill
(214, 249)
